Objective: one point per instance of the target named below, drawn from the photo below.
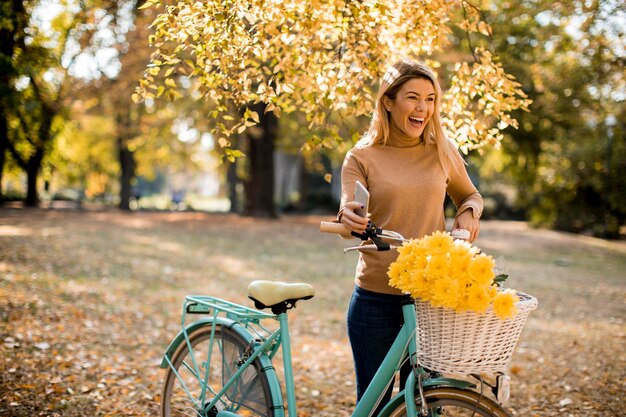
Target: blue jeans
(374, 321)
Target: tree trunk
(126, 159)
(32, 173)
(3, 150)
(304, 185)
(127, 168)
(16, 19)
(259, 189)
(231, 179)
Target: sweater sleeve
(353, 170)
(463, 193)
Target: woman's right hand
(351, 220)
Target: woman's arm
(351, 172)
(466, 198)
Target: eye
(430, 99)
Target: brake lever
(376, 235)
(360, 247)
(371, 232)
(366, 247)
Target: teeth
(417, 119)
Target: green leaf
(499, 279)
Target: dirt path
(89, 300)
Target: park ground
(89, 300)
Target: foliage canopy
(323, 58)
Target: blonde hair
(395, 77)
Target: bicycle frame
(239, 317)
(404, 346)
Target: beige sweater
(407, 188)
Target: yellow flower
(460, 265)
(461, 255)
(446, 292)
(481, 269)
(438, 265)
(460, 248)
(450, 274)
(504, 304)
(419, 262)
(405, 249)
(478, 299)
(396, 273)
(438, 242)
(420, 284)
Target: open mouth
(416, 121)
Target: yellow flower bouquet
(451, 274)
(466, 323)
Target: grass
(90, 299)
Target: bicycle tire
(455, 402)
(249, 396)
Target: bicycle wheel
(454, 402)
(249, 396)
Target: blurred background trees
(69, 128)
(561, 168)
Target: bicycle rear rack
(204, 304)
(250, 318)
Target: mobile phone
(361, 195)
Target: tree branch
(65, 38)
(467, 34)
(45, 103)
(25, 127)
(16, 155)
(483, 18)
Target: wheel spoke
(248, 396)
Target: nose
(420, 105)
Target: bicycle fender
(447, 382)
(427, 384)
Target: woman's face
(413, 106)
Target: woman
(408, 166)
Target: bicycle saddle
(279, 296)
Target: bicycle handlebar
(336, 228)
(381, 238)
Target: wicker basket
(468, 342)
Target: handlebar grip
(462, 234)
(337, 228)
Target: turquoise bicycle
(220, 365)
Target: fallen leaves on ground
(89, 300)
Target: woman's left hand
(467, 221)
